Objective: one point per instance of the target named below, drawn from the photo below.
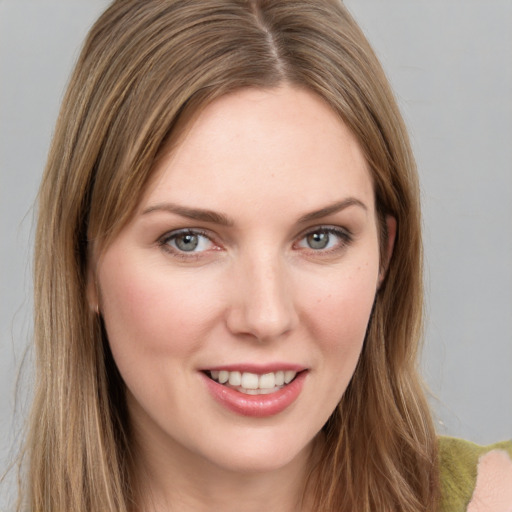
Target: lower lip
(257, 406)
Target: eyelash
(163, 242)
(344, 236)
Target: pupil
(318, 240)
(187, 242)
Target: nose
(262, 304)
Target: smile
(257, 393)
(253, 383)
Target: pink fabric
(493, 490)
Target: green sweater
(458, 470)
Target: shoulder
(475, 478)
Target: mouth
(253, 383)
(256, 391)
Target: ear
(390, 243)
(92, 290)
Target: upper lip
(259, 369)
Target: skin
(253, 291)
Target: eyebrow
(332, 209)
(221, 219)
(191, 213)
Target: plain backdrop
(450, 63)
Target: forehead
(284, 145)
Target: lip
(256, 406)
(260, 369)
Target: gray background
(450, 62)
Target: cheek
(149, 313)
(339, 311)
(341, 308)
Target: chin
(260, 454)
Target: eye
(325, 239)
(186, 241)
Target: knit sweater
(475, 478)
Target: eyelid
(183, 231)
(344, 234)
(164, 240)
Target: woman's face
(253, 258)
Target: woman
(228, 271)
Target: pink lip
(257, 406)
(260, 369)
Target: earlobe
(390, 243)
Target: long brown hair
(145, 68)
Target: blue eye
(187, 241)
(322, 239)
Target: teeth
(252, 383)
(258, 391)
(267, 381)
(289, 376)
(249, 381)
(235, 378)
